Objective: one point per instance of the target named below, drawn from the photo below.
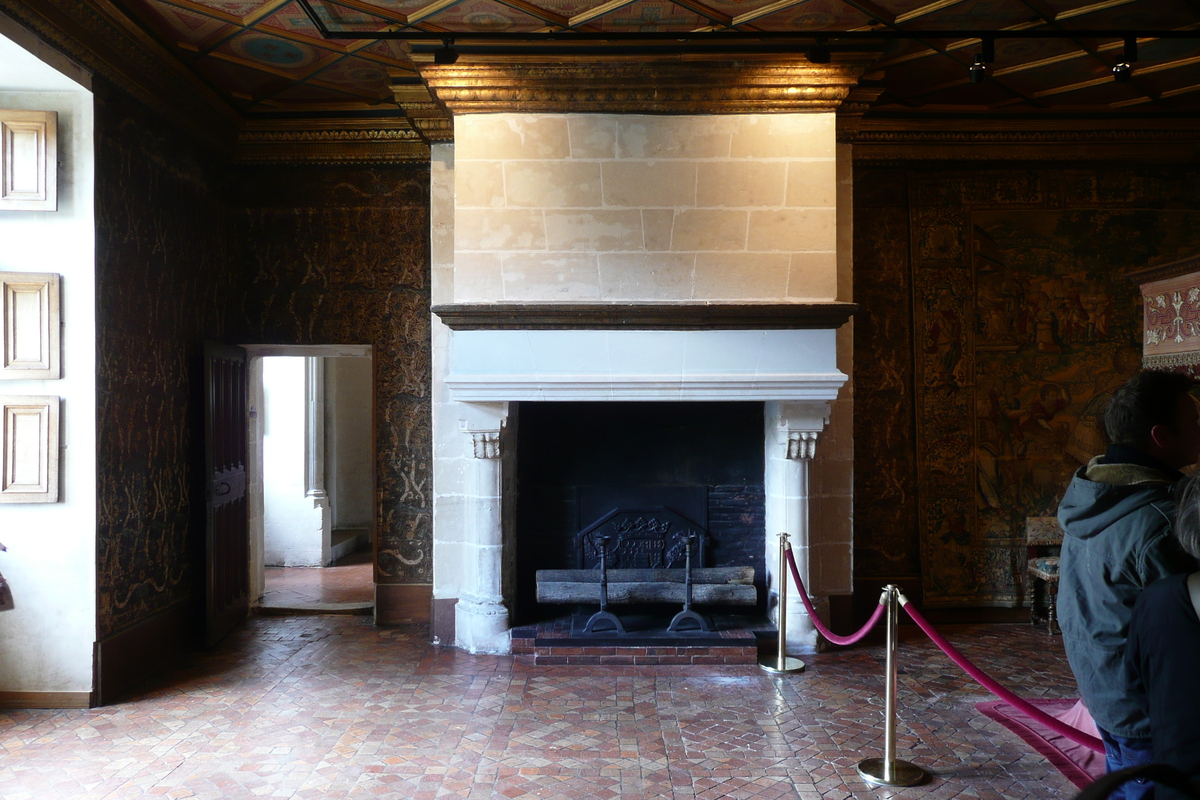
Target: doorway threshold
(312, 609)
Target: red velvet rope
(812, 614)
(1033, 712)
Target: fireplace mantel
(644, 316)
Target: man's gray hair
(1187, 516)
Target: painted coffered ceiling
(267, 58)
(358, 79)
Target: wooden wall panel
(30, 326)
(28, 160)
(29, 449)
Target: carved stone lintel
(486, 444)
(801, 445)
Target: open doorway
(311, 482)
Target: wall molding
(403, 603)
(10, 699)
(126, 660)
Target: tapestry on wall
(1024, 325)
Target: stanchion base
(903, 773)
(789, 665)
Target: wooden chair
(1043, 541)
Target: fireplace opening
(647, 467)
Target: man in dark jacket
(1117, 515)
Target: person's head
(1187, 515)
(1154, 413)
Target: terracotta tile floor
(331, 707)
(348, 581)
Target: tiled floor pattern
(331, 707)
(348, 581)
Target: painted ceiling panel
(1161, 13)
(650, 16)
(974, 14)
(484, 15)
(308, 93)
(810, 16)
(281, 56)
(387, 49)
(357, 73)
(239, 8)
(241, 80)
(968, 94)
(177, 24)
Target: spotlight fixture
(977, 72)
(818, 53)
(447, 55)
(1122, 71)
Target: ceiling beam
(938, 5)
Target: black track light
(1123, 70)
(818, 53)
(447, 55)
(977, 72)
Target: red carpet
(1079, 764)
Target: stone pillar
(791, 442)
(314, 451)
(480, 617)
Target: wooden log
(731, 575)
(646, 592)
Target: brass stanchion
(781, 662)
(887, 771)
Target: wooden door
(227, 548)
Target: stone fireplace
(619, 258)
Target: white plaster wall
(46, 639)
(293, 531)
(450, 445)
(349, 450)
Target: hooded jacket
(1118, 523)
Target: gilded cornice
(349, 143)
(675, 87)
(101, 38)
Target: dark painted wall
(190, 248)
(337, 255)
(166, 279)
(996, 321)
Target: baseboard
(127, 659)
(402, 603)
(442, 625)
(45, 699)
